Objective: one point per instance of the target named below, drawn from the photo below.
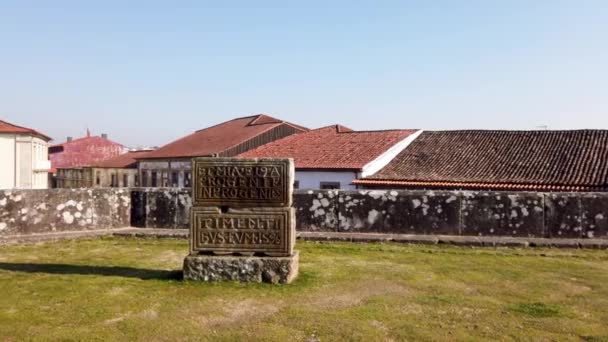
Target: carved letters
(242, 183)
(242, 206)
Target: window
(174, 179)
(125, 180)
(136, 180)
(98, 178)
(144, 178)
(154, 179)
(114, 181)
(187, 179)
(296, 184)
(164, 179)
(330, 185)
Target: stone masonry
(242, 226)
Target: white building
(333, 157)
(24, 160)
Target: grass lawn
(119, 289)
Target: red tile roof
(220, 138)
(332, 147)
(83, 152)
(122, 161)
(6, 127)
(526, 160)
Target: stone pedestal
(275, 270)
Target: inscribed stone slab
(242, 183)
(262, 230)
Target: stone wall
(522, 214)
(56, 210)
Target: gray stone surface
(563, 215)
(502, 214)
(47, 211)
(594, 207)
(402, 212)
(275, 270)
(316, 210)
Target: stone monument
(242, 225)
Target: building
(71, 159)
(24, 161)
(119, 171)
(170, 165)
(333, 157)
(499, 160)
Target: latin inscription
(241, 183)
(244, 231)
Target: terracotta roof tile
(123, 161)
(219, 138)
(7, 127)
(486, 159)
(83, 152)
(332, 147)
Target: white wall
(41, 163)
(23, 162)
(312, 179)
(7, 161)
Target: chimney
(104, 135)
(69, 139)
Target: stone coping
(479, 241)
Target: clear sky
(147, 72)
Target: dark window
(144, 178)
(136, 180)
(174, 179)
(296, 184)
(187, 179)
(154, 179)
(330, 185)
(125, 180)
(165, 179)
(114, 181)
(98, 177)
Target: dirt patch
(238, 312)
(170, 258)
(348, 297)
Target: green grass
(125, 289)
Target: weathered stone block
(503, 214)
(242, 183)
(563, 217)
(160, 208)
(594, 208)
(74, 209)
(240, 268)
(138, 207)
(183, 207)
(402, 212)
(261, 230)
(316, 210)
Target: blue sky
(147, 72)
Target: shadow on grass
(116, 271)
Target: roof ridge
(261, 116)
(89, 137)
(516, 130)
(385, 130)
(28, 129)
